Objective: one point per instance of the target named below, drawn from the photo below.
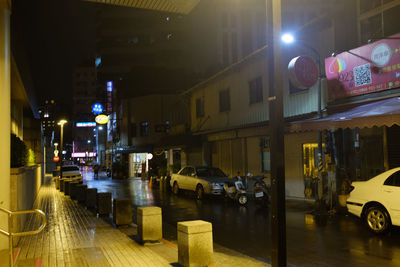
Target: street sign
(56, 158)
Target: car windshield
(69, 168)
(209, 172)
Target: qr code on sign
(362, 75)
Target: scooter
(261, 191)
(236, 190)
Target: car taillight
(351, 188)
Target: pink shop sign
(366, 69)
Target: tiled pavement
(75, 236)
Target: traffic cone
(151, 182)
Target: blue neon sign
(97, 108)
(109, 86)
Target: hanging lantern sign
(101, 119)
(303, 72)
(56, 158)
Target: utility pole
(276, 128)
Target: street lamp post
(288, 38)
(276, 127)
(61, 123)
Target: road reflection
(312, 241)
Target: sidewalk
(75, 236)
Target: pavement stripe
(165, 241)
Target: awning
(173, 6)
(380, 113)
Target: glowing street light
(287, 38)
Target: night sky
(57, 36)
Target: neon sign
(97, 108)
(102, 119)
(85, 124)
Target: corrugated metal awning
(174, 6)
(380, 113)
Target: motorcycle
(236, 190)
(261, 191)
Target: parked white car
(202, 180)
(377, 200)
(71, 173)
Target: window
(187, 171)
(199, 107)
(224, 100)
(133, 130)
(167, 127)
(256, 90)
(393, 180)
(144, 128)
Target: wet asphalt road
(339, 240)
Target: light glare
(287, 38)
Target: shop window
(224, 100)
(265, 155)
(256, 90)
(144, 128)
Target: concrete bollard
(149, 224)
(57, 182)
(91, 196)
(103, 203)
(122, 211)
(195, 243)
(62, 180)
(66, 187)
(81, 193)
(73, 189)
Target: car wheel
(243, 200)
(377, 219)
(199, 192)
(175, 188)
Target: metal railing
(11, 235)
